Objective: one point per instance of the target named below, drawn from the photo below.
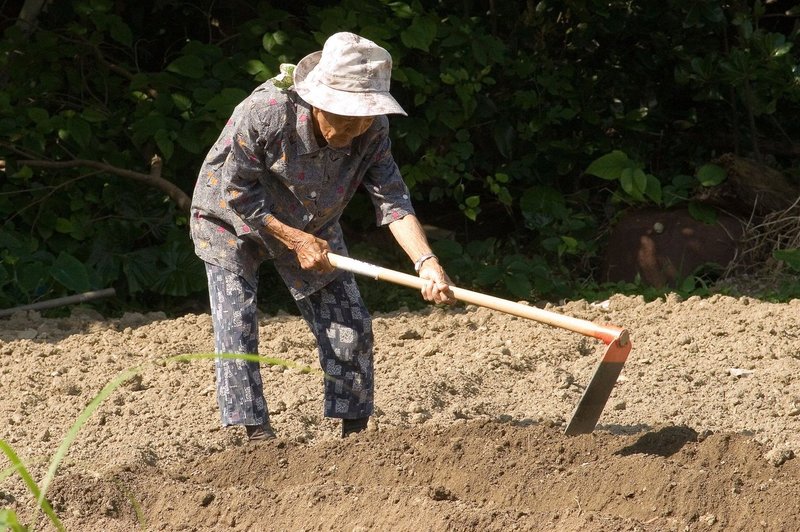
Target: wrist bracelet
(418, 264)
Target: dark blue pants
(340, 323)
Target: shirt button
(313, 194)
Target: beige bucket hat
(349, 77)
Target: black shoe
(260, 432)
(352, 426)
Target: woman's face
(339, 131)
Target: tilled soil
(700, 432)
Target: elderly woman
(273, 187)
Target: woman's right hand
(311, 252)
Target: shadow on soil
(664, 442)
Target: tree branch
(29, 14)
(152, 179)
(115, 67)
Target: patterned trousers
(340, 324)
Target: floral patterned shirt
(267, 162)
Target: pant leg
(240, 391)
(342, 326)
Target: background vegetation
(531, 127)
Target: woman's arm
(411, 236)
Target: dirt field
(699, 434)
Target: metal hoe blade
(595, 396)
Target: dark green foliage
(531, 125)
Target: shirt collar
(305, 128)
(305, 132)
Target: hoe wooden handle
(606, 333)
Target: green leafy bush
(530, 126)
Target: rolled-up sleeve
(386, 187)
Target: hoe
(617, 340)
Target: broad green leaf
(702, 213)
(420, 33)
(268, 42)
(182, 102)
(790, 256)
(519, 285)
(145, 128)
(79, 131)
(32, 275)
(653, 189)
(141, 269)
(489, 275)
(24, 173)
(447, 249)
(447, 78)
(710, 175)
(37, 114)
(94, 115)
(165, 144)
(182, 273)
(551, 244)
(190, 142)
(71, 273)
(254, 66)
(402, 9)
(471, 213)
(517, 264)
(630, 182)
(452, 119)
(541, 204)
(17, 244)
(504, 139)
(481, 248)
(223, 103)
(505, 197)
(120, 31)
(225, 70)
(63, 225)
(189, 66)
(281, 37)
(466, 95)
(106, 267)
(570, 243)
(610, 166)
(413, 77)
(639, 180)
(626, 181)
(472, 201)
(688, 284)
(782, 49)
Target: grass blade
(76, 427)
(32, 486)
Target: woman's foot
(352, 426)
(260, 432)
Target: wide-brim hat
(349, 77)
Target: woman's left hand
(437, 286)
